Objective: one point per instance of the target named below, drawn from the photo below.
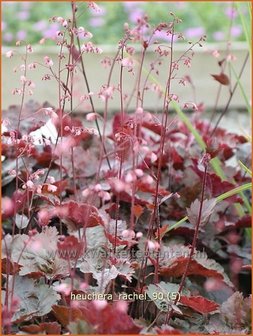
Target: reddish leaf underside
(109, 320)
(221, 78)
(138, 210)
(9, 267)
(66, 314)
(61, 186)
(161, 231)
(70, 248)
(177, 269)
(154, 127)
(199, 304)
(216, 186)
(79, 215)
(50, 328)
(125, 197)
(244, 222)
(119, 241)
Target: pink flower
(39, 189)
(29, 49)
(63, 288)
(194, 32)
(52, 30)
(236, 31)
(212, 285)
(43, 217)
(86, 192)
(187, 62)
(65, 146)
(153, 157)
(130, 177)
(90, 48)
(35, 245)
(21, 35)
(151, 245)
(106, 92)
(52, 188)
(30, 184)
(51, 179)
(136, 15)
(96, 22)
(139, 235)
(83, 286)
(32, 66)
(82, 33)
(23, 79)
(9, 54)
(59, 19)
(12, 172)
(40, 25)
(7, 206)
(128, 63)
(104, 195)
(218, 35)
(192, 105)
(139, 172)
(122, 306)
(92, 116)
(130, 50)
(128, 234)
(231, 12)
(147, 179)
(162, 35)
(216, 53)
(92, 5)
(65, 23)
(48, 61)
(23, 16)
(118, 185)
(8, 37)
(106, 62)
(100, 304)
(3, 25)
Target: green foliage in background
(30, 20)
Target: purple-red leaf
(221, 78)
(199, 304)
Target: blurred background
(30, 20)
(221, 22)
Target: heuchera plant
(132, 225)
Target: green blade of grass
(239, 209)
(246, 202)
(215, 162)
(241, 89)
(246, 169)
(189, 125)
(220, 198)
(249, 10)
(246, 186)
(246, 28)
(249, 232)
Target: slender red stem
(194, 241)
